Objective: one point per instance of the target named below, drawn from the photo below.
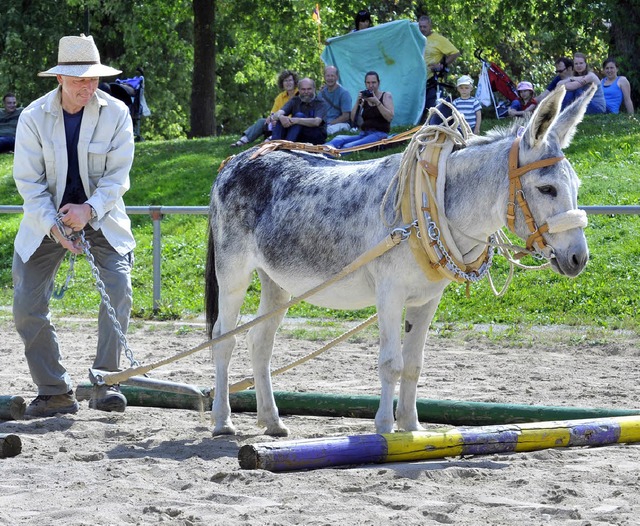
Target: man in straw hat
(74, 149)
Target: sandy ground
(150, 466)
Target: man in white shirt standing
(73, 153)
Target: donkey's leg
(233, 286)
(416, 324)
(260, 342)
(389, 307)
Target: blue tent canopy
(394, 50)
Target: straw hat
(79, 57)
(465, 79)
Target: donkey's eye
(548, 190)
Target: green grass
(180, 173)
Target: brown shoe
(51, 405)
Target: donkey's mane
(498, 133)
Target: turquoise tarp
(394, 50)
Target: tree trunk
(203, 100)
(625, 42)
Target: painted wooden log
(450, 412)
(10, 445)
(145, 397)
(12, 407)
(427, 445)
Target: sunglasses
(561, 70)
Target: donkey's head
(545, 186)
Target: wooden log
(145, 397)
(12, 407)
(427, 445)
(10, 445)
(450, 412)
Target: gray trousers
(33, 284)
(255, 130)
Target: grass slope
(180, 173)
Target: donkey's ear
(543, 118)
(567, 124)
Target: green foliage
(180, 173)
(256, 40)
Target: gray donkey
(299, 218)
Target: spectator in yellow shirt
(439, 53)
(287, 82)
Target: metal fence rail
(158, 212)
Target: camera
(366, 93)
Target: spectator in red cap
(525, 102)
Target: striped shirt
(468, 108)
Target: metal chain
(106, 300)
(74, 236)
(474, 276)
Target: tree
(213, 63)
(624, 36)
(203, 121)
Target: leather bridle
(516, 195)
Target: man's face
(306, 91)
(563, 70)
(330, 77)
(77, 91)
(425, 27)
(10, 104)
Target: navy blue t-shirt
(73, 191)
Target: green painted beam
(452, 412)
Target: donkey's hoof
(277, 430)
(414, 426)
(225, 429)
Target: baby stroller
(492, 79)
(131, 92)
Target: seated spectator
(375, 110)
(302, 119)
(338, 102)
(287, 82)
(616, 88)
(8, 122)
(564, 69)
(579, 82)
(525, 102)
(362, 21)
(469, 106)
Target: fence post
(156, 217)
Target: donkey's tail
(211, 286)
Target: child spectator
(525, 102)
(469, 106)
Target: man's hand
(76, 216)
(74, 219)
(286, 121)
(71, 246)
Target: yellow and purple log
(427, 445)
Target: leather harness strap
(516, 194)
